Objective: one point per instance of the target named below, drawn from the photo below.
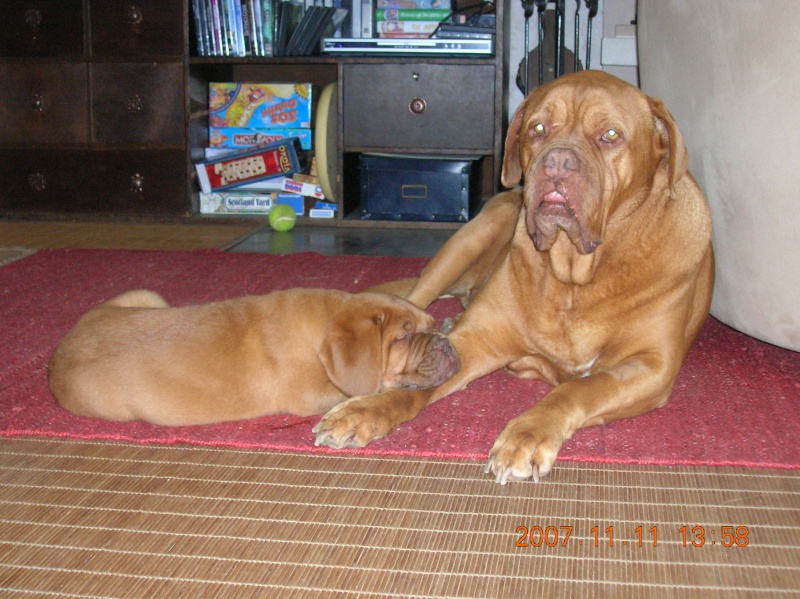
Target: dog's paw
(353, 423)
(523, 450)
(448, 324)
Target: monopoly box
(260, 105)
(240, 138)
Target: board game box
(279, 159)
(241, 138)
(260, 105)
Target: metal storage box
(411, 188)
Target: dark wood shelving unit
(105, 109)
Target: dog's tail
(139, 298)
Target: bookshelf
(109, 110)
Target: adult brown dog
(299, 352)
(595, 277)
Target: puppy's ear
(352, 353)
(512, 166)
(669, 140)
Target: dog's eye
(610, 136)
(538, 130)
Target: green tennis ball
(282, 217)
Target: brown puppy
(298, 352)
(595, 277)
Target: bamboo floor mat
(101, 519)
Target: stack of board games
(246, 115)
(259, 136)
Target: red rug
(736, 402)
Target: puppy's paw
(448, 324)
(523, 450)
(353, 423)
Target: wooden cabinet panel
(41, 28)
(90, 181)
(137, 29)
(43, 181)
(140, 182)
(43, 103)
(92, 107)
(419, 106)
(137, 103)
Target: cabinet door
(419, 106)
(44, 181)
(42, 28)
(93, 181)
(43, 103)
(137, 29)
(139, 182)
(137, 103)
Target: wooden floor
(150, 236)
(90, 519)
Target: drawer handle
(33, 18)
(414, 192)
(37, 102)
(135, 105)
(134, 16)
(38, 182)
(417, 106)
(137, 183)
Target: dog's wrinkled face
(416, 359)
(379, 342)
(590, 148)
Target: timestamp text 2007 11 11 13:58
(687, 536)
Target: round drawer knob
(135, 105)
(417, 106)
(134, 16)
(38, 182)
(37, 103)
(33, 18)
(137, 182)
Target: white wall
(619, 12)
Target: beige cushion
(729, 71)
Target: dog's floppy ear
(670, 141)
(512, 166)
(352, 352)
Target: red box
(279, 159)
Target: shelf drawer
(43, 103)
(87, 181)
(43, 181)
(141, 181)
(137, 103)
(137, 29)
(42, 28)
(419, 106)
